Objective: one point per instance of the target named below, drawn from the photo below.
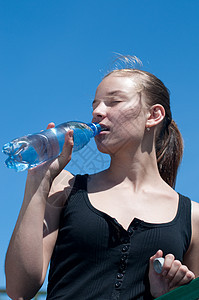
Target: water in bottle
(33, 149)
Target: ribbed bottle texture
(31, 150)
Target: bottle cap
(158, 264)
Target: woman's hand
(53, 167)
(173, 275)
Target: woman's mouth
(104, 128)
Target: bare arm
(30, 249)
(191, 258)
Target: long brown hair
(169, 143)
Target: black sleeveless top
(95, 258)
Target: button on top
(125, 248)
(118, 284)
(120, 276)
(130, 230)
(124, 257)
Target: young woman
(102, 232)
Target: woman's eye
(115, 102)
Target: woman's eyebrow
(116, 92)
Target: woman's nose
(100, 111)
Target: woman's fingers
(56, 165)
(68, 144)
(187, 278)
(66, 153)
(176, 273)
(51, 125)
(182, 276)
(168, 261)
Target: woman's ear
(155, 115)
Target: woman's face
(117, 107)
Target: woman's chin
(106, 149)
(103, 149)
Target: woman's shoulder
(195, 224)
(195, 205)
(61, 187)
(195, 212)
(64, 179)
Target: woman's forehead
(114, 85)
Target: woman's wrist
(38, 183)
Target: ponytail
(169, 151)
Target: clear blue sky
(53, 55)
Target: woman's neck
(138, 169)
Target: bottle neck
(96, 128)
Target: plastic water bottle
(33, 149)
